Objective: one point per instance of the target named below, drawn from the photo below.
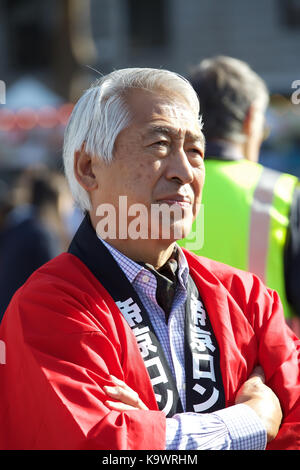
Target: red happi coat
(64, 335)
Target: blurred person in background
(251, 213)
(5, 207)
(33, 229)
(5, 203)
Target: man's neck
(224, 150)
(151, 252)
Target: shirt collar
(132, 269)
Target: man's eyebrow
(172, 132)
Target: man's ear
(253, 131)
(249, 121)
(83, 169)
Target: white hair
(102, 113)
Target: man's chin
(175, 232)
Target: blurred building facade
(66, 44)
(58, 37)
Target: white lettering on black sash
(204, 385)
(144, 340)
(97, 257)
(203, 358)
(131, 311)
(132, 314)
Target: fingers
(119, 393)
(121, 383)
(119, 406)
(125, 397)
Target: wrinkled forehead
(147, 107)
(177, 111)
(181, 118)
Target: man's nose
(179, 167)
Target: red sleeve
(250, 326)
(58, 357)
(279, 354)
(277, 351)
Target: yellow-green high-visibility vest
(246, 215)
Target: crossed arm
(253, 393)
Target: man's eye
(196, 152)
(162, 143)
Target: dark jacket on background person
(25, 245)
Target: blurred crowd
(37, 221)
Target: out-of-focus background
(51, 50)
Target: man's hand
(253, 393)
(262, 400)
(128, 398)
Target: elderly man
(258, 212)
(128, 341)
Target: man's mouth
(176, 199)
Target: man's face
(157, 159)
